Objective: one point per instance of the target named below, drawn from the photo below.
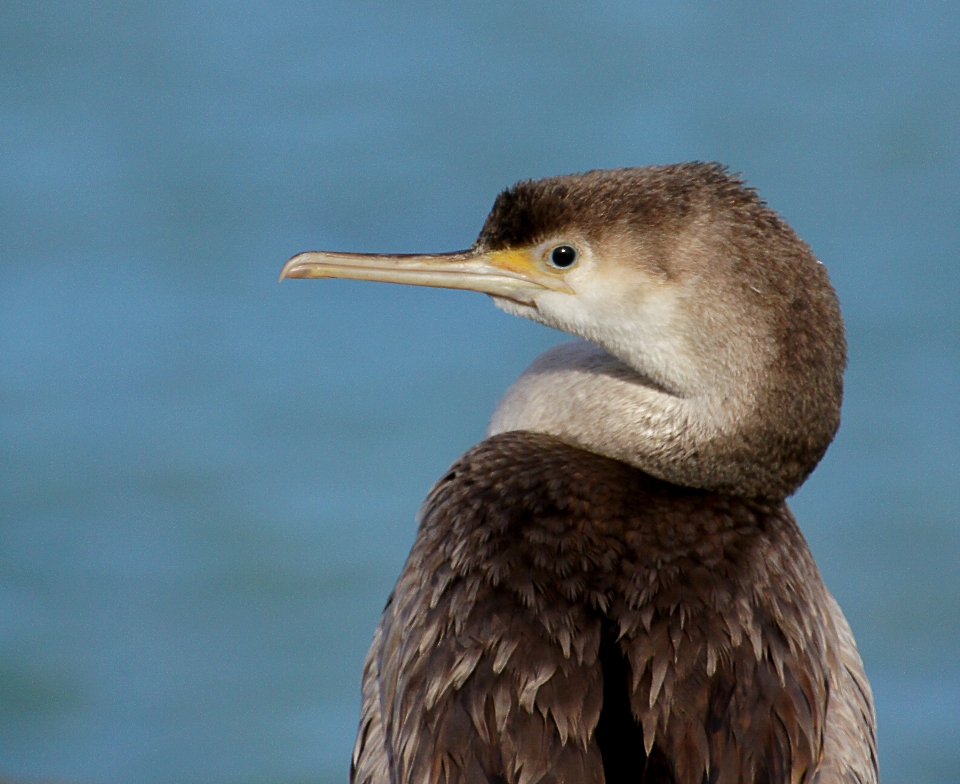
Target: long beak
(511, 274)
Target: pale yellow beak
(511, 274)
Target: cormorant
(610, 587)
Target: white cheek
(647, 328)
(568, 310)
(561, 311)
(515, 308)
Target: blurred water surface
(209, 481)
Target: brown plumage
(534, 562)
(610, 587)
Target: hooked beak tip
(289, 269)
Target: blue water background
(208, 481)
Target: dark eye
(563, 256)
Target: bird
(610, 586)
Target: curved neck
(585, 396)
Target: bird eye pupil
(563, 256)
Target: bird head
(724, 316)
